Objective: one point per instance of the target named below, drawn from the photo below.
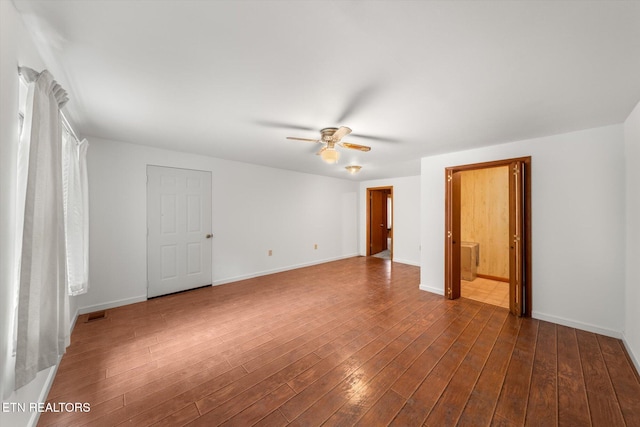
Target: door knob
(381, 225)
(209, 236)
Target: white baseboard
(72, 323)
(45, 390)
(406, 261)
(34, 392)
(567, 322)
(140, 298)
(111, 304)
(52, 374)
(431, 289)
(632, 356)
(591, 328)
(279, 270)
(576, 324)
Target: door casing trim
(450, 262)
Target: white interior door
(179, 230)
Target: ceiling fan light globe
(330, 155)
(353, 169)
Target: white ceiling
(219, 77)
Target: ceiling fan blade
(362, 97)
(340, 133)
(272, 124)
(376, 138)
(303, 139)
(355, 146)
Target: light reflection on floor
(386, 254)
(487, 291)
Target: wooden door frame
(452, 262)
(393, 218)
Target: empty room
(316, 213)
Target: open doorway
(513, 202)
(484, 235)
(380, 222)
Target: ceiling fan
(331, 137)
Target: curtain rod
(23, 72)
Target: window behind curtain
(22, 102)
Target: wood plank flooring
(352, 342)
(486, 290)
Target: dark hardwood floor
(352, 342)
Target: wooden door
(452, 234)
(516, 237)
(178, 230)
(378, 221)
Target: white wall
(406, 217)
(255, 209)
(16, 48)
(578, 191)
(632, 279)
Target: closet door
(178, 230)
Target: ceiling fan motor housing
(327, 133)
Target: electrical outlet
(315, 246)
(270, 252)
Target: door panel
(194, 258)
(516, 236)
(169, 266)
(452, 234)
(194, 221)
(378, 231)
(385, 220)
(179, 221)
(168, 213)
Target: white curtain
(76, 212)
(43, 302)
